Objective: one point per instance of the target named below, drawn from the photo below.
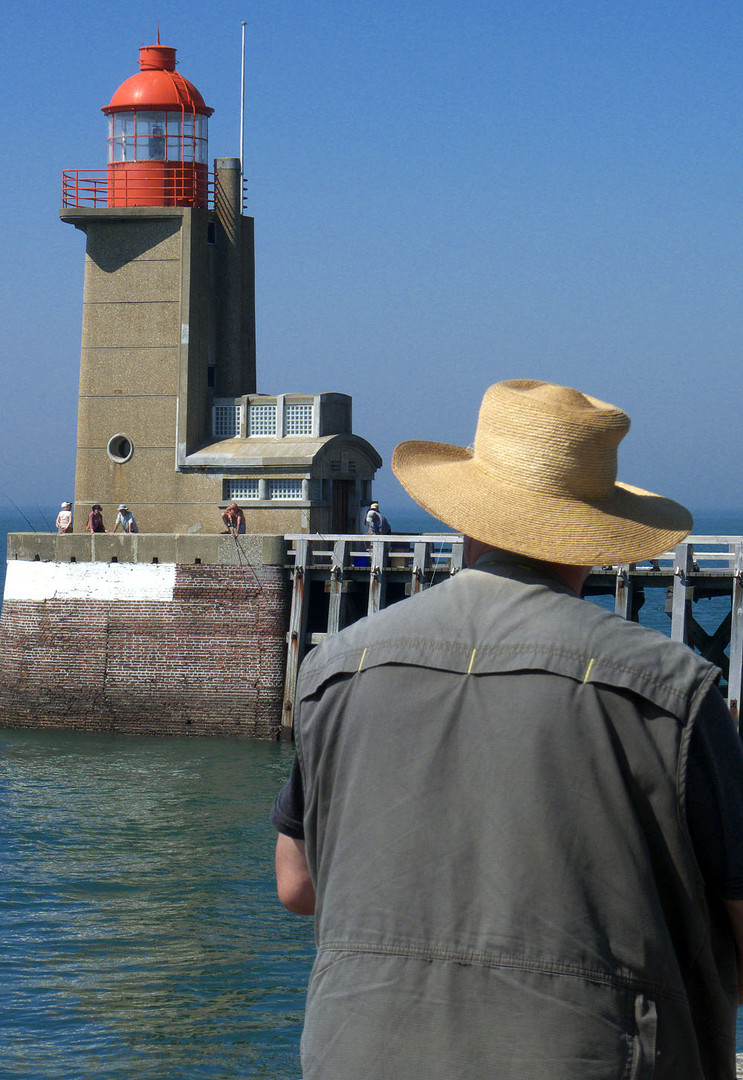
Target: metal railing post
(683, 558)
(735, 672)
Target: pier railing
(339, 579)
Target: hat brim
(629, 526)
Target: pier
(339, 579)
(203, 634)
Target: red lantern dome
(157, 136)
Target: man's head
(122, 506)
(374, 506)
(541, 480)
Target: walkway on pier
(339, 579)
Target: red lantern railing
(95, 188)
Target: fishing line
(46, 519)
(243, 555)
(31, 527)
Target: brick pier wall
(128, 641)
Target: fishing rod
(17, 507)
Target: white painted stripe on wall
(89, 581)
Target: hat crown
(549, 439)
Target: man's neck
(572, 575)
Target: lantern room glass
(157, 136)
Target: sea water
(141, 934)
(140, 926)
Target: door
(339, 522)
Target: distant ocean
(141, 931)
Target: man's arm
(293, 881)
(714, 810)
(734, 909)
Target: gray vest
(494, 783)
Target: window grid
(298, 418)
(157, 136)
(285, 489)
(244, 488)
(226, 420)
(262, 420)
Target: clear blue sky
(446, 194)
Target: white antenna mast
(242, 107)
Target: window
(226, 420)
(298, 418)
(244, 488)
(285, 489)
(151, 135)
(262, 419)
(120, 448)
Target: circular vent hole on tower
(120, 448)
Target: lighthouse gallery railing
(90, 188)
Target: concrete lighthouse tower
(168, 308)
(170, 422)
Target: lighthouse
(169, 418)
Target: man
(234, 519)
(513, 814)
(125, 519)
(375, 523)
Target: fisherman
(234, 519)
(95, 520)
(125, 519)
(375, 523)
(516, 817)
(64, 518)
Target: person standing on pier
(125, 519)
(95, 520)
(64, 518)
(375, 523)
(516, 817)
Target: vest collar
(521, 568)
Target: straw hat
(541, 480)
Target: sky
(445, 194)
